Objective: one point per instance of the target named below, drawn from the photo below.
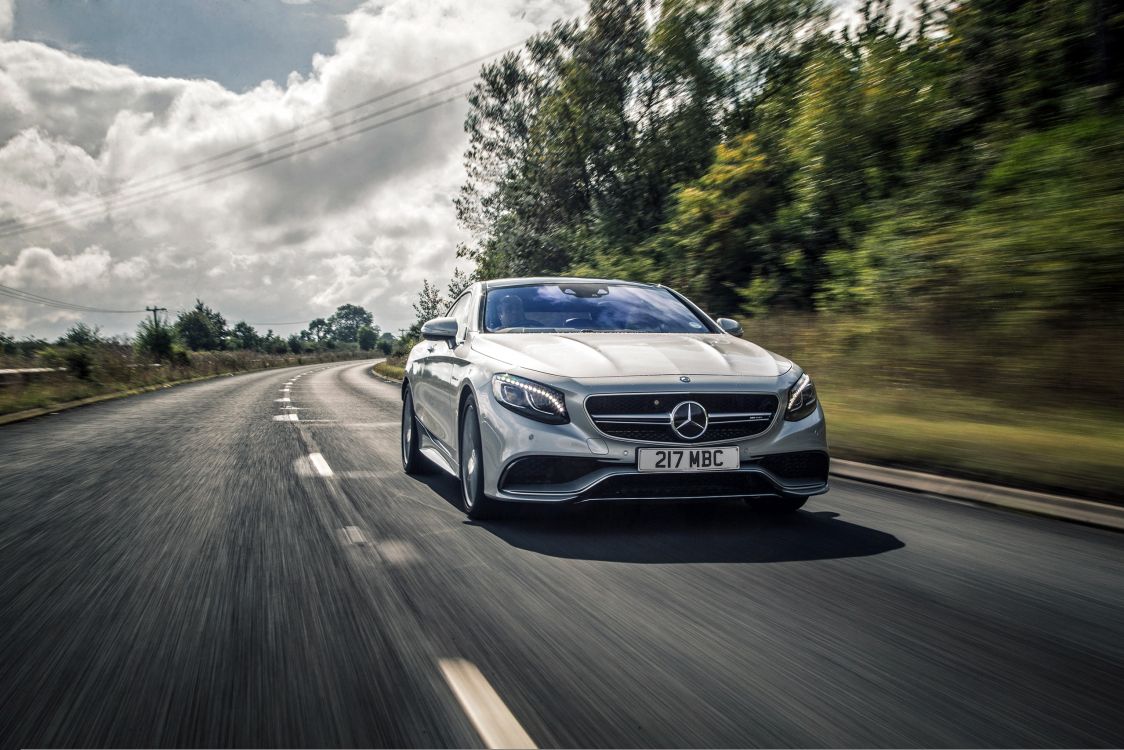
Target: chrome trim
(772, 422)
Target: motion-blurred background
(923, 205)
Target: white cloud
(362, 221)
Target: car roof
(532, 280)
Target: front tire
(413, 462)
(476, 504)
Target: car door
(444, 364)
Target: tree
(296, 345)
(430, 304)
(319, 329)
(201, 328)
(155, 339)
(81, 334)
(367, 338)
(457, 284)
(345, 322)
(245, 336)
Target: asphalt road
(175, 570)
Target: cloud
(363, 220)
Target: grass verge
(1066, 453)
(391, 368)
(928, 429)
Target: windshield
(588, 307)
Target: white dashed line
(320, 465)
(486, 710)
(352, 535)
(286, 418)
(397, 552)
(282, 400)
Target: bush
(156, 340)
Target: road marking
(352, 535)
(294, 408)
(320, 464)
(286, 418)
(282, 400)
(397, 552)
(486, 710)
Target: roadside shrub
(156, 340)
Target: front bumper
(528, 461)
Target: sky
(125, 99)
(115, 116)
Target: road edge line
(1075, 510)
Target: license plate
(687, 459)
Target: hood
(606, 355)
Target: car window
(588, 306)
(460, 309)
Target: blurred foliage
(937, 198)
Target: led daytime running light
(530, 398)
(798, 392)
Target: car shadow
(680, 532)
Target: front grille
(809, 466)
(676, 486)
(542, 470)
(647, 417)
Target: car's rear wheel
(413, 462)
(778, 505)
(476, 504)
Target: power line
(195, 180)
(290, 323)
(7, 224)
(24, 296)
(94, 206)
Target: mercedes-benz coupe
(559, 390)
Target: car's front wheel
(477, 505)
(413, 461)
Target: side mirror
(730, 326)
(440, 329)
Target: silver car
(559, 390)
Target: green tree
(201, 328)
(457, 284)
(245, 336)
(155, 339)
(367, 338)
(430, 304)
(345, 322)
(319, 329)
(81, 334)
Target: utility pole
(155, 310)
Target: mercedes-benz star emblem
(689, 420)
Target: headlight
(531, 399)
(801, 399)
